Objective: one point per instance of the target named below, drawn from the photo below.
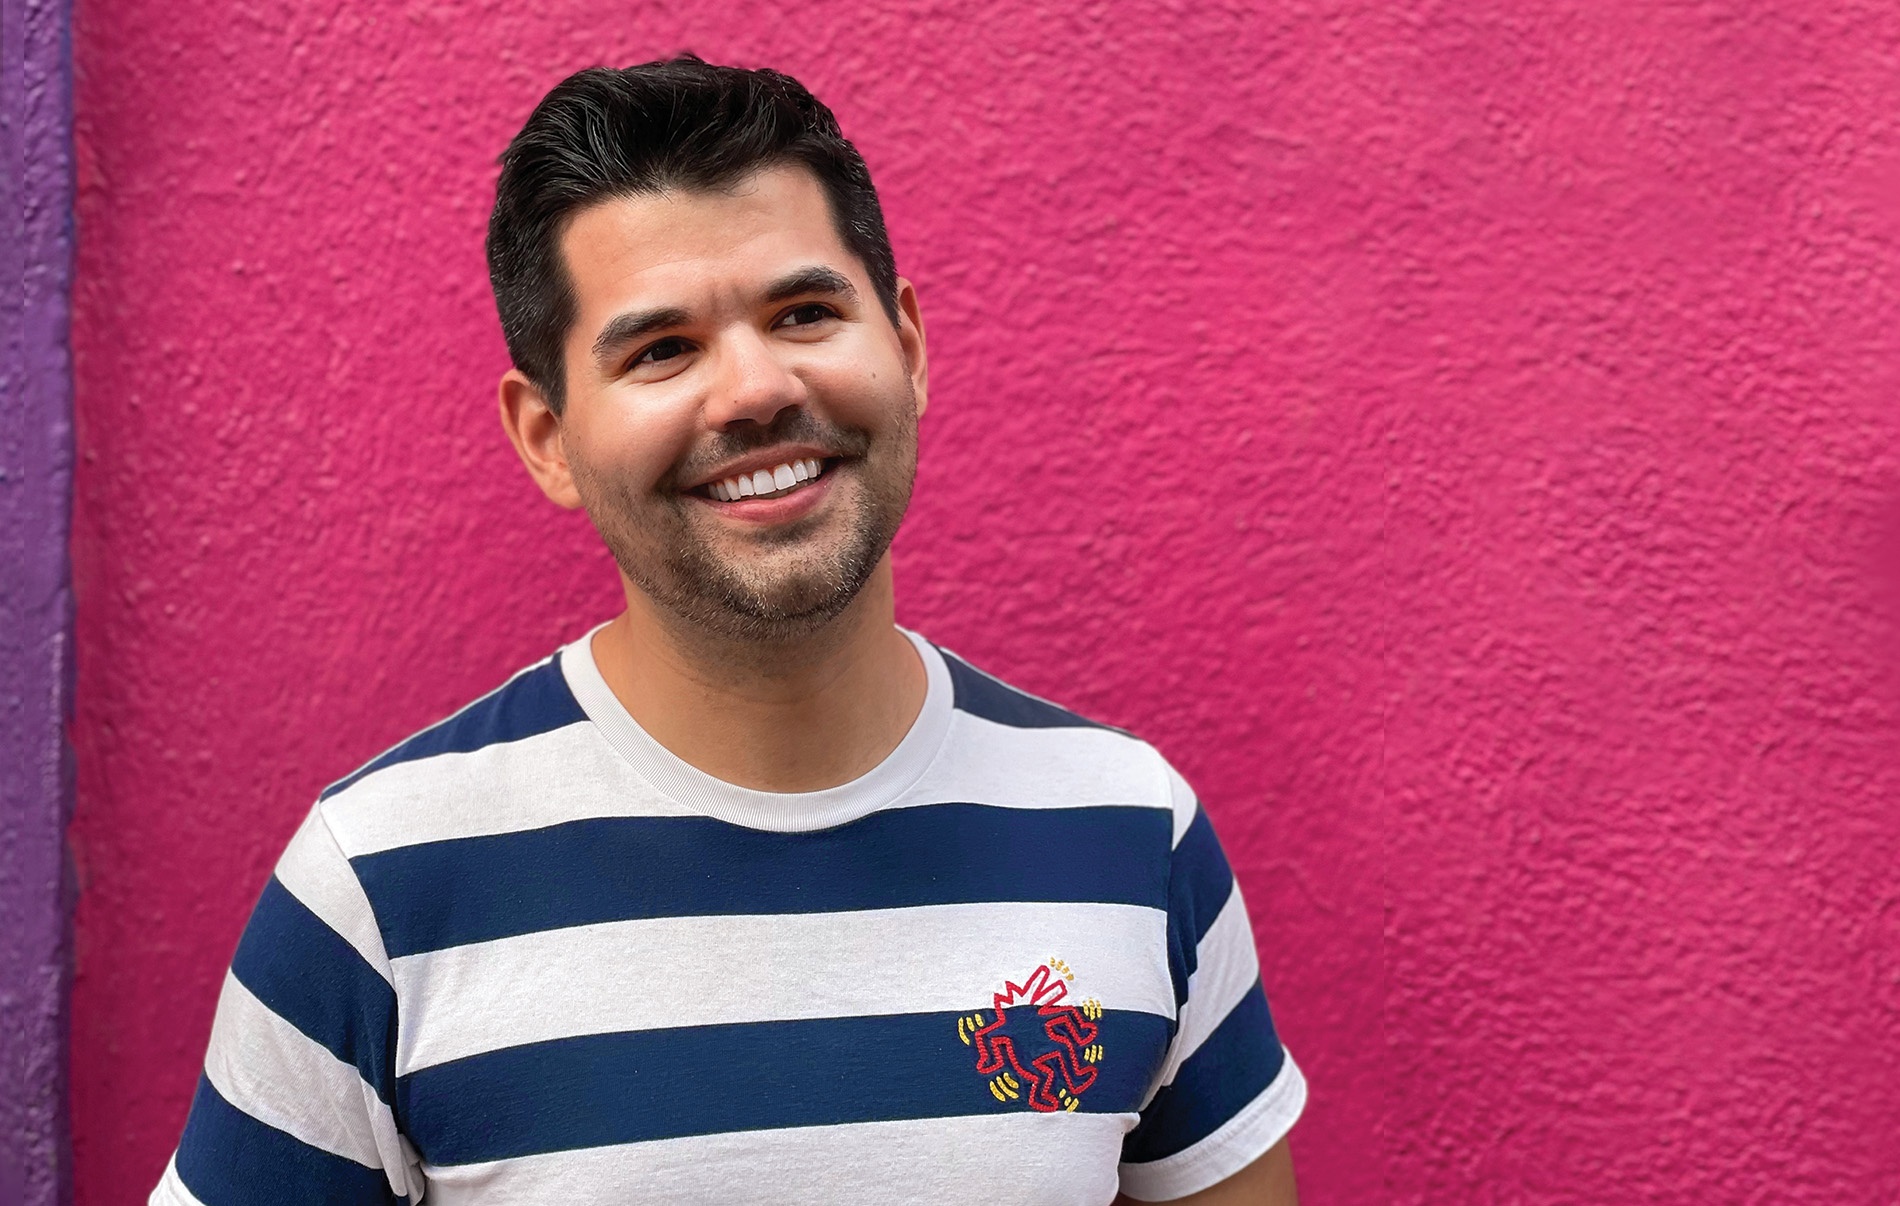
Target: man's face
(741, 418)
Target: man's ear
(535, 431)
(910, 334)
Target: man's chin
(763, 594)
(799, 599)
(780, 583)
(757, 617)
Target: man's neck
(794, 716)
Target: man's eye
(805, 315)
(666, 349)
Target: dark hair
(676, 123)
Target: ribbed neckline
(782, 812)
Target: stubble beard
(778, 586)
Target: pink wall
(1461, 437)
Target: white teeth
(774, 481)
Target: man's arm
(1228, 1092)
(1268, 1181)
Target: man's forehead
(686, 238)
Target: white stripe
(983, 762)
(314, 870)
(565, 774)
(171, 1191)
(697, 971)
(1182, 799)
(1226, 966)
(269, 1069)
(1240, 1141)
(1021, 1157)
(572, 773)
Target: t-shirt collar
(785, 812)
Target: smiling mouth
(776, 482)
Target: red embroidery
(1036, 1047)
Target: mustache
(797, 426)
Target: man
(748, 895)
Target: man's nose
(752, 383)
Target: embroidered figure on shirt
(1036, 1048)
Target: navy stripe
(534, 701)
(308, 975)
(1236, 1063)
(443, 894)
(228, 1158)
(1199, 885)
(696, 1080)
(983, 695)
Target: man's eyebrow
(815, 279)
(623, 329)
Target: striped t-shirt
(530, 956)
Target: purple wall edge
(35, 601)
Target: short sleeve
(1228, 1090)
(294, 1105)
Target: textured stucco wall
(1642, 764)
(1460, 437)
(36, 252)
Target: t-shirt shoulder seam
(323, 818)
